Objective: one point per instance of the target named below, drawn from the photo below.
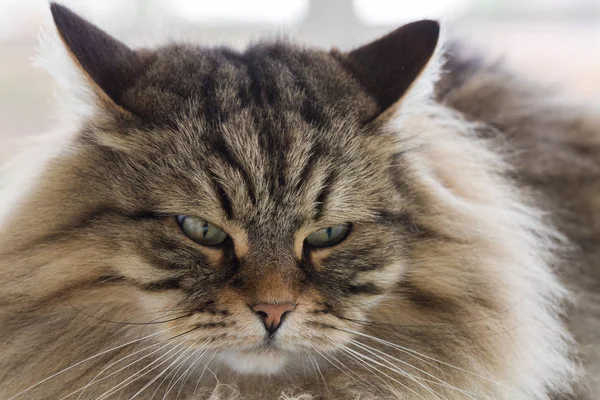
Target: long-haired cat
(393, 222)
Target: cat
(393, 222)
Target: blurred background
(554, 41)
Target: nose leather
(273, 314)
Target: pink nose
(273, 314)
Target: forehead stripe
(221, 149)
(325, 192)
(224, 199)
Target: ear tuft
(387, 67)
(110, 64)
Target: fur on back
(468, 211)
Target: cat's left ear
(388, 67)
(109, 65)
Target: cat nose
(273, 314)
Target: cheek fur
(366, 266)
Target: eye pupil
(329, 236)
(201, 231)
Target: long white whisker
(314, 365)
(381, 372)
(172, 371)
(118, 361)
(94, 381)
(440, 382)
(400, 370)
(370, 368)
(171, 385)
(86, 360)
(213, 374)
(181, 354)
(203, 371)
(189, 372)
(415, 354)
(321, 373)
(343, 369)
(132, 378)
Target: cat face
(220, 218)
(251, 199)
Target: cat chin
(254, 362)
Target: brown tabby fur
(465, 209)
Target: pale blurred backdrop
(554, 41)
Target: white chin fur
(254, 363)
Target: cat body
(359, 226)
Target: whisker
(174, 370)
(94, 380)
(181, 354)
(367, 358)
(417, 354)
(362, 361)
(213, 373)
(171, 371)
(343, 368)
(399, 370)
(125, 367)
(88, 359)
(321, 373)
(126, 383)
(131, 379)
(171, 385)
(312, 361)
(441, 382)
(203, 371)
(374, 371)
(188, 372)
(347, 371)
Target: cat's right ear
(109, 65)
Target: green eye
(328, 237)
(201, 231)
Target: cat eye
(328, 237)
(201, 231)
